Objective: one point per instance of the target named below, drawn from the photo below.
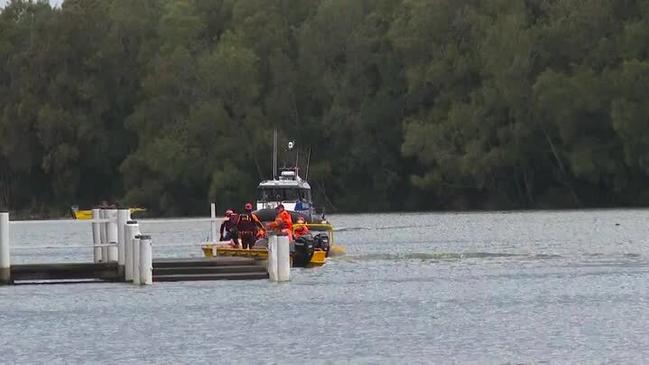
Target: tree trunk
(565, 179)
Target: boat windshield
(267, 194)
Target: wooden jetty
(216, 268)
(181, 269)
(122, 254)
(65, 271)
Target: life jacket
(246, 223)
(287, 221)
(301, 231)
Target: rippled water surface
(533, 287)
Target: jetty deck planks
(175, 269)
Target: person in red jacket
(283, 223)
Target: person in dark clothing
(248, 226)
(228, 229)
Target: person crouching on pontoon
(229, 226)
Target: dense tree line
(405, 104)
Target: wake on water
(350, 229)
(438, 256)
(583, 258)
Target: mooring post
(112, 250)
(5, 262)
(136, 259)
(96, 235)
(283, 259)
(104, 235)
(129, 234)
(213, 222)
(122, 218)
(146, 260)
(112, 234)
(272, 257)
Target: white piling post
(136, 259)
(122, 218)
(5, 262)
(112, 231)
(96, 251)
(213, 222)
(102, 225)
(96, 235)
(130, 230)
(104, 235)
(146, 260)
(283, 259)
(112, 236)
(272, 257)
(112, 250)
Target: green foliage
(404, 104)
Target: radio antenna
(274, 153)
(308, 160)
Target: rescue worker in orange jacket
(302, 229)
(283, 222)
(248, 226)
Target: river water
(483, 288)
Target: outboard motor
(303, 250)
(321, 241)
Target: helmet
(279, 206)
(248, 206)
(228, 212)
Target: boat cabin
(289, 189)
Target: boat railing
(108, 231)
(317, 227)
(314, 226)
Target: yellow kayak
(86, 214)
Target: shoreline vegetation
(402, 105)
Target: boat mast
(274, 153)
